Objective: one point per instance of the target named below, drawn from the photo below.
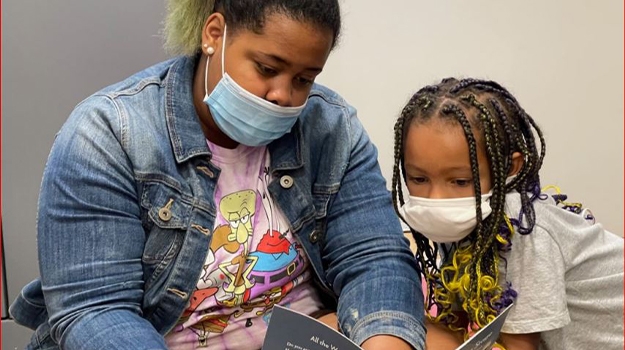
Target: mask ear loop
(206, 75)
(223, 49)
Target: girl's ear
(517, 163)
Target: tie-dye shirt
(254, 261)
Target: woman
(179, 205)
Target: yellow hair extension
(184, 23)
(578, 206)
(499, 237)
(452, 287)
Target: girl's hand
(440, 337)
(520, 341)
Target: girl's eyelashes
(419, 180)
(463, 182)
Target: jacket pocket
(166, 216)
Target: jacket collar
(286, 152)
(183, 123)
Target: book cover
(291, 330)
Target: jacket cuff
(398, 324)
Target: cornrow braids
(469, 274)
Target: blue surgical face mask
(243, 116)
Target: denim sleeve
(90, 237)
(368, 260)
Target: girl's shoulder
(567, 268)
(555, 215)
(568, 230)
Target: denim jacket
(126, 213)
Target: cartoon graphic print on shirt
(276, 258)
(237, 208)
(241, 276)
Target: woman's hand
(385, 342)
(330, 320)
(377, 342)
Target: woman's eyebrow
(283, 61)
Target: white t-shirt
(254, 261)
(568, 273)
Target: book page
(487, 336)
(291, 330)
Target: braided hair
(469, 275)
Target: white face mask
(443, 220)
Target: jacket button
(314, 237)
(164, 214)
(286, 181)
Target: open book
(487, 336)
(291, 330)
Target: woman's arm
(90, 237)
(369, 262)
(373, 343)
(438, 338)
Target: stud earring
(209, 49)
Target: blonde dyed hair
(184, 24)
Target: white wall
(562, 59)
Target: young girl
(487, 237)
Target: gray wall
(562, 58)
(54, 54)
